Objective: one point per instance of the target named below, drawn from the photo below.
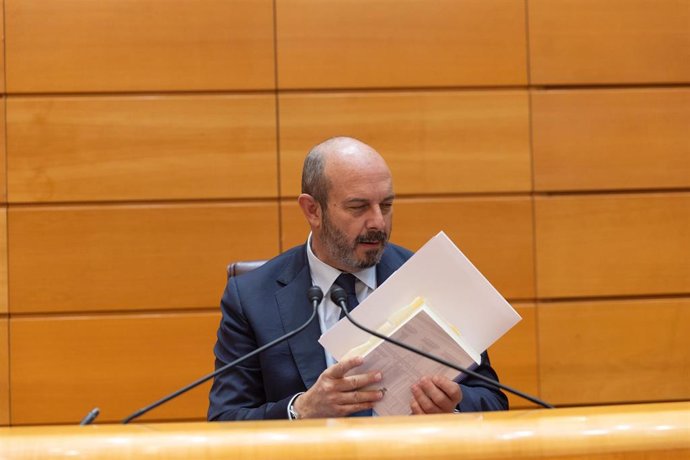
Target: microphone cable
(339, 296)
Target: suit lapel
(295, 309)
(384, 269)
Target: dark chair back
(238, 268)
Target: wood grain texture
(625, 432)
(434, 142)
(3, 148)
(505, 258)
(3, 261)
(61, 367)
(137, 148)
(133, 45)
(514, 356)
(614, 351)
(612, 41)
(2, 48)
(611, 139)
(612, 245)
(127, 257)
(354, 44)
(4, 372)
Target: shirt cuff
(289, 406)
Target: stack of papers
(456, 314)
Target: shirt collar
(323, 275)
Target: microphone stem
(220, 370)
(444, 362)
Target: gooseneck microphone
(339, 296)
(314, 294)
(90, 417)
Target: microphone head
(315, 294)
(338, 294)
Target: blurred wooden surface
(4, 301)
(144, 147)
(128, 45)
(131, 257)
(514, 356)
(434, 142)
(3, 146)
(612, 245)
(601, 433)
(2, 48)
(351, 44)
(609, 41)
(4, 371)
(614, 351)
(62, 367)
(506, 259)
(611, 139)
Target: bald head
(330, 158)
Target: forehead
(359, 177)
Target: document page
(442, 275)
(401, 368)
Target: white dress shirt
(323, 276)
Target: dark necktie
(347, 282)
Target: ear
(311, 210)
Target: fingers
(351, 398)
(336, 395)
(339, 370)
(340, 382)
(435, 395)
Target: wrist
(293, 412)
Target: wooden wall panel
(514, 357)
(2, 48)
(612, 41)
(3, 261)
(62, 367)
(602, 245)
(146, 147)
(132, 257)
(615, 351)
(116, 45)
(3, 148)
(4, 372)
(611, 139)
(353, 44)
(434, 142)
(506, 258)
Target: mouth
(371, 244)
(372, 241)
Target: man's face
(357, 221)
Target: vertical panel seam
(277, 118)
(6, 260)
(535, 273)
(527, 45)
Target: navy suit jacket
(270, 301)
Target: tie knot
(347, 282)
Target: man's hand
(435, 395)
(334, 395)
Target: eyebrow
(365, 201)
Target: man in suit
(347, 198)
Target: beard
(344, 251)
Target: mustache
(374, 236)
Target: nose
(375, 219)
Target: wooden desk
(604, 432)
